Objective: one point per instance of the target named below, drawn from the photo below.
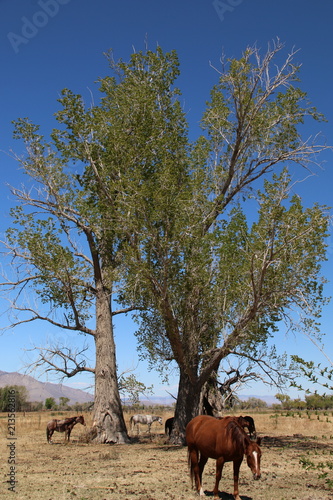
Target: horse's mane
(68, 420)
(238, 434)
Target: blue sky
(47, 45)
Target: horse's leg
(195, 469)
(218, 475)
(237, 464)
(69, 430)
(50, 434)
(202, 463)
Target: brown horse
(226, 441)
(245, 422)
(65, 426)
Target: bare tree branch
(60, 360)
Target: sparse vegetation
(312, 402)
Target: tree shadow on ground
(146, 438)
(297, 442)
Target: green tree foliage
(13, 393)
(132, 389)
(319, 402)
(63, 403)
(252, 403)
(312, 402)
(50, 403)
(286, 401)
(314, 373)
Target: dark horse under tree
(65, 426)
(245, 422)
(225, 441)
(169, 426)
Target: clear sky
(47, 45)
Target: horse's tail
(131, 422)
(190, 462)
(47, 434)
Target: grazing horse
(144, 419)
(65, 426)
(169, 425)
(226, 441)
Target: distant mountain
(158, 401)
(270, 400)
(169, 401)
(39, 391)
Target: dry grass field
(297, 463)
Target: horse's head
(160, 420)
(253, 456)
(80, 420)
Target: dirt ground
(297, 463)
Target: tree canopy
(211, 278)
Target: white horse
(144, 419)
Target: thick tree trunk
(211, 397)
(187, 407)
(109, 421)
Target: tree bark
(211, 398)
(108, 414)
(187, 407)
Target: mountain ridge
(39, 391)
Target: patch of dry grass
(152, 469)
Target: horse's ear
(258, 441)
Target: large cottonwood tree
(227, 254)
(69, 233)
